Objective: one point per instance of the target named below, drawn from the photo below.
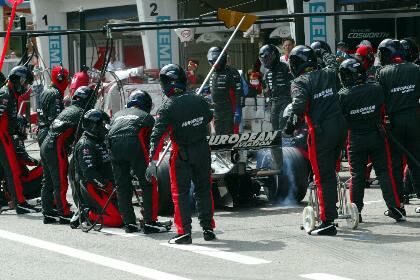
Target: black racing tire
(166, 205)
(294, 174)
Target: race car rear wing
(254, 140)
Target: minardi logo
(245, 140)
(404, 89)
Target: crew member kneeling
(94, 172)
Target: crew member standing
(315, 95)
(129, 143)
(54, 153)
(18, 83)
(363, 105)
(51, 103)
(401, 84)
(277, 82)
(226, 92)
(184, 117)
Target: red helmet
(60, 77)
(366, 55)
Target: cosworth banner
(372, 29)
(245, 140)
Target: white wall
(323, 28)
(160, 46)
(55, 17)
(56, 11)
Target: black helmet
(81, 96)
(269, 56)
(95, 123)
(320, 47)
(172, 79)
(140, 99)
(389, 51)
(302, 59)
(410, 48)
(21, 126)
(351, 72)
(213, 54)
(21, 78)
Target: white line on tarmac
(90, 257)
(229, 256)
(120, 232)
(323, 276)
(373, 201)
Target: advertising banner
(372, 29)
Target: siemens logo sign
(54, 46)
(318, 24)
(164, 46)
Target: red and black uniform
(51, 104)
(54, 153)
(94, 172)
(362, 105)
(184, 117)
(226, 92)
(31, 178)
(401, 85)
(315, 96)
(129, 142)
(8, 159)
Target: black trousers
(405, 127)
(127, 153)
(325, 142)
(370, 144)
(223, 122)
(191, 163)
(276, 114)
(42, 134)
(55, 182)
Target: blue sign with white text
(54, 45)
(317, 24)
(164, 44)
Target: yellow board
(232, 18)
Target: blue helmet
(172, 79)
(140, 99)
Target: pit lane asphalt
(379, 249)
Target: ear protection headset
(61, 75)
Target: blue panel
(164, 46)
(317, 24)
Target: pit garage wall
(319, 27)
(161, 47)
(55, 49)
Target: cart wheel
(353, 212)
(308, 219)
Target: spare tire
(166, 206)
(292, 182)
